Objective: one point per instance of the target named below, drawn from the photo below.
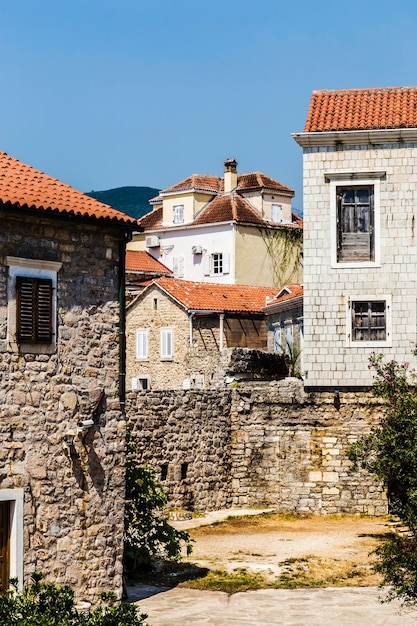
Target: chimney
(230, 175)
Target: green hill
(133, 201)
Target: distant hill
(134, 201)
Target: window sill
(31, 348)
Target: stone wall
(73, 499)
(272, 445)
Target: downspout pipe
(192, 313)
(122, 320)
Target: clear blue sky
(107, 93)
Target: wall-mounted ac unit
(152, 241)
(197, 249)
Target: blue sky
(107, 93)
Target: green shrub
(46, 604)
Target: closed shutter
(226, 262)
(141, 344)
(34, 309)
(167, 345)
(4, 545)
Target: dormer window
(178, 216)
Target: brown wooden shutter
(34, 309)
(4, 545)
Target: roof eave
(355, 137)
(291, 303)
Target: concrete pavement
(355, 606)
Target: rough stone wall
(73, 499)
(272, 445)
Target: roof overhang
(355, 137)
(286, 305)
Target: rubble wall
(269, 445)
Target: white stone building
(360, 254)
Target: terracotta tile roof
(216, 297)
(287, 292)
(362, 109)
(142, 261)
(27, 188)
(258, 180)
(201, 182)
(228, 208)
(151, 220)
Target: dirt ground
(310, 549)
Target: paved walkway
(268, 607)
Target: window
(178, 217)
(11, 536)
(33, 310)
(276, 213)
(141, 345)
(355, 223)
(217, 264)
(32, 305)
(167, 343)
(369, 321)
(141, 383)
(178, 266)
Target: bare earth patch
(273, 550)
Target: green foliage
(390, 453)
(284, 246)
(292, 354)
(46, 604)
(147, 531)
(133, 201)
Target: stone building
(360, 253)
(61, 419)
(181, 334)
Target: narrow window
(164, 471)
(178, 266)
(184, 470)
(141, 344)
(178, 217)
(155, 304)
(355, 224)
(167, 343)
(144, 383)
(276, 213)
(34, 310)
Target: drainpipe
(122, 320)
(221, 330)
(192, 313)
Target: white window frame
(222, 261)
(166, 354)
(386, 343)
(16, 499)
(142, 344)
(30, 268)
(355, 180)
(178, 214)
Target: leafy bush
(390, 453)
(46, 604)
(148, 533)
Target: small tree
(390, 453)
(148, 533)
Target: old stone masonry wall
(271, 445)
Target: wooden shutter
(4, 545)
(34, 309)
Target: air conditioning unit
(197, 249)
(152, 241)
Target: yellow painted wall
(263, 204)
(263, 259)
(192, 203)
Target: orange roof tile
(142, 261)
(287, 292)
(216, 297)
(200, 182)
(228, 208)
(27, 188)
(151, 220)
(362, 109)
(258, 180)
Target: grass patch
(238, 580)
